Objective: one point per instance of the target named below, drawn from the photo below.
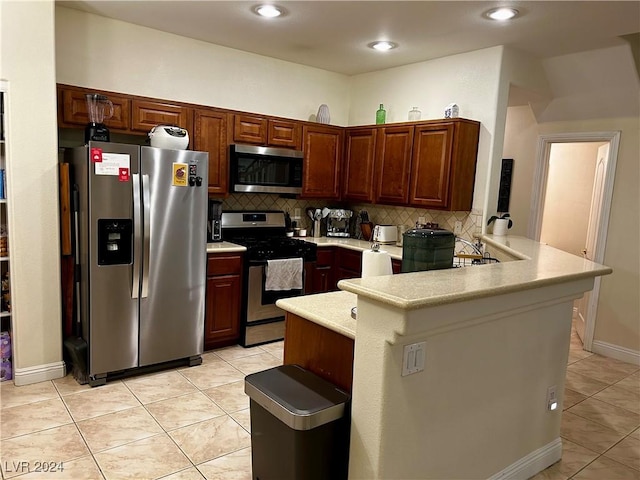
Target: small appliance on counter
(97, 107)
(214, 224)
(338, 222)
(169, 136)
(385, 234)
(427, 249)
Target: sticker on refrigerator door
(112, 163)
(124, 175)
(180, 176)
(96, 155)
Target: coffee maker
(99, 109)
(338, 222)
(214, 225)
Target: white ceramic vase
(323, 114)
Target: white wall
(28, 64)
(618, 314)
(472, 80)
(101, 53)
(567, 201)
(594, 91)
(520, 138)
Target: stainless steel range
(269, 252)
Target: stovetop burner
(263, 233)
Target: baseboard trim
(533, 463)
(39, 373)
(614, 351)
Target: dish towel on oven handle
(284, 274)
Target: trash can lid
(297, 397)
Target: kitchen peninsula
(495, 337)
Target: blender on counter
(99, 108)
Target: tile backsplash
(378, 214)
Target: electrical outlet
(296, 213)
(552, 399)
(422, 220)
(413, 358)
(457, 227)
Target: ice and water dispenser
(115, 240)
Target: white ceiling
(333, 35)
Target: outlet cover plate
(413, 358)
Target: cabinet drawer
(324, 257)
(221, 264)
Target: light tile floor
(193, 423)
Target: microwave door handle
(137, 225)
(146, 217)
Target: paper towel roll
(376, 263)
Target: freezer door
(174, 265)
(109, 220)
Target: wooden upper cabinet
(72, 109)
(393, 164)
(266, 131)
(210, 135)
(322, 146)
(147, 114)
(285, 134)
(443, 165)
(249, 129)
(359, 164)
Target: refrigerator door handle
(137, 225)
(146, 218)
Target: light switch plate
(413, 358)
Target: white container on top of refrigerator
(142, 229)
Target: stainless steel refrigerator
(141, 239)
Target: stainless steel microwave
(265, 169)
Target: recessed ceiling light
(501, 13)
(269, 11)
(382, 46)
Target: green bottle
(381, 115)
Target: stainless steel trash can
(300, 425)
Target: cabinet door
(431, 166)
(393, 157)
(74, 109)
(285, 134)
(249, 129)
(147, 114)
(359, 162)
(323, 279)
(222, 311)
(322, 148)
(210, 135)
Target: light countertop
(539, 265)
(224, 247)
(353, 244)
(331, 310)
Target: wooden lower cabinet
(223, 300)
(329, 355)
(323, 271)
(348, 264)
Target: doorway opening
(571, 202)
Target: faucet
(477, 247)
